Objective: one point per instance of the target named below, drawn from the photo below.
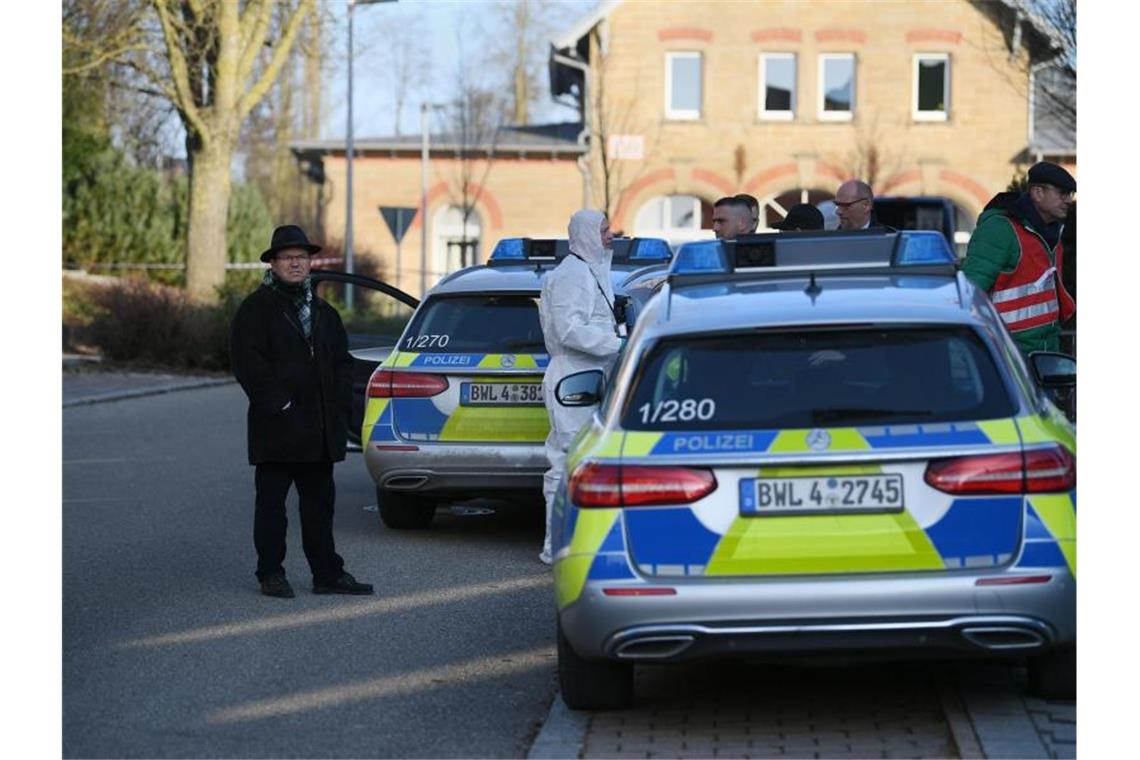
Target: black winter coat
(277, 365)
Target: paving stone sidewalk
(969, 710)
(751, 711)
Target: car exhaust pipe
(406, 482)
(653, 648)
(1003, 637)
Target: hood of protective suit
(585, 233)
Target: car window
(374, 319)
(817, 378)
(476, 324)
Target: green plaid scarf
(301, 295)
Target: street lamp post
(425, 147)
(349, 262)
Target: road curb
(562, 734)
(957, 717)
(99, 398)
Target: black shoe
(345, 584)
(276, 585)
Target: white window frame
(837, 115)
(762, 109)
(916, 114)
(682, 114)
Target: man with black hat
(289, 351)
(1015, 255)
(802, 216)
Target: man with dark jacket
(1016, 255)
(289, 351)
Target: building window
(836, 86)
(674, 217)
(778, 86)
(931, 87)
(683, 86)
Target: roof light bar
(821, 252)
(522, 249)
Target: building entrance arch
(774, 207)
(454, 245)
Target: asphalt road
(169, 650)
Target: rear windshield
(817, 378)
(476, 324)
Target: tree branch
(280, 55)
(254, 26)
(183, 97)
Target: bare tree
(872, 157)
(205, 57)
(616, 142)
(472, 122)
(1060, 93)
(405, 58)
(1053, 68)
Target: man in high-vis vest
(1015, 255)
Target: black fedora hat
(289, 236)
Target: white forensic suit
(580, 330)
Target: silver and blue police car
(817, 443)
(456, 410)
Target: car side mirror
(1054, 370)
(581, 388)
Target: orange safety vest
(1032, 295)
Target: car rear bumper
(460, 469)
(894, 616)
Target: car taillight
(1035, 471)
(389, 384)
(610, 485)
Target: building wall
(730, 148)
(968, 157)
(517, 196)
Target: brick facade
(730, 148)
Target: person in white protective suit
(581, 332)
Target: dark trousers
(314, 481)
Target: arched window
(455, 244)
(675, 218)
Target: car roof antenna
(813, 289)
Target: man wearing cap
(289, 351)
(1015, 255)
(802, 216)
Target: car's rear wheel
(588, 685)
(1054, 675)
(405, 511)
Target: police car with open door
(816, 443)
(457, 410)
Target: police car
(816, 443)
(457, 409)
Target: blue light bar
(701, 257)
(510, 248)
(655, 249)
(919, 247)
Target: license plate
(828, 494)
(500, 394)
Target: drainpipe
(583, 136)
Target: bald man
(853, 204)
